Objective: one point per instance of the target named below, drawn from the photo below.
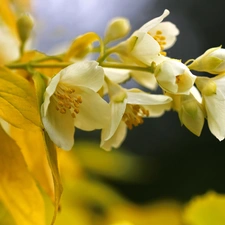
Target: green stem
(22, 45)
(149, 69)
(127, 67)
(38, 65)
(107, 53)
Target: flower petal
(59, 127)
(169, 31)
(49, 92)
(117, 139)
(146, 47)
(117, 75)
(157, 110)
(152, 23)
(94, 111)
(85, 73)
(135, 96)
(215, 108)
(117, 111)
(174, 76)
(220, 81)
(196, 94)
(145, 79)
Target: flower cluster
(75, 95)
(44, 98)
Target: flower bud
(25, 24)
(212, 61)
(173, 76)
(118, 28)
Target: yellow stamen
(67, 100)
(160, 39)
(133, 115)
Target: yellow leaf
(32, 145)
(18, 103)
(81, 45)
(18, 191)
(8, 16)
(53, 162)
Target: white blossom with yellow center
(128, 108)
(163, 32)
(71, 101)
(173, 76)
(148, 43)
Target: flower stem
(24, 66)
(38, 65)
(127, 67)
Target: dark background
(181, 165)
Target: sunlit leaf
(53, 162)
(81, 45)
(32, 145)
(18, 190)
(18, 104)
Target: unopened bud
(118, 28)
(25, 24)
(212, 61)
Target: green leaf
(18, 103)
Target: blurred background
(177, 164)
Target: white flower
(147, 43)
(213, 94)
(71, 100)
(163, 32)
(173, 76)
(128, 108)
